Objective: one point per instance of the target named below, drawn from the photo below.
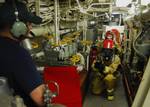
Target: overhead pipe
(93, 4)
(96, 4)
(144, 16)
(85, 10)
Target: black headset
(19, 28)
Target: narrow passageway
(100, 101)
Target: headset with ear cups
(19, 28)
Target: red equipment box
(69, 84)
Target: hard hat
(109, 35)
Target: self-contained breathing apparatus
(105, 68)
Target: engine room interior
(75, 53)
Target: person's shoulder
(117, 58)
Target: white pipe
(147, 102)
(88, 60)
(82, 10)
(70, 4)
(37, 7)
(40, 31)
(89, 1)
(110, 8)
(57, 36)
(139, 2)
(143, 88)
(120, 19)
(79, 5)
(145, 16)
(93, 4)
(82, 59)
(102, 15)
(96, 4)
(84, 28)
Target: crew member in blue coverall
(15, 62)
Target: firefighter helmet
(109, 35)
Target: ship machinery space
(94, 44)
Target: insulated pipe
(84, 28)
(79, 5)
(89, 1)
(69, 4)
(87, 62)
(143, 88)
(97, 4)
(120, 19)
(147, 102)
(41, 30)
(93, 4)
(139, 2)
(37, 7)
(144, 16)
(57, 34)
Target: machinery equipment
(49, 95)
(6, 97)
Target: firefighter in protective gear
(105, 69)
(97, 85)
(111, 62)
